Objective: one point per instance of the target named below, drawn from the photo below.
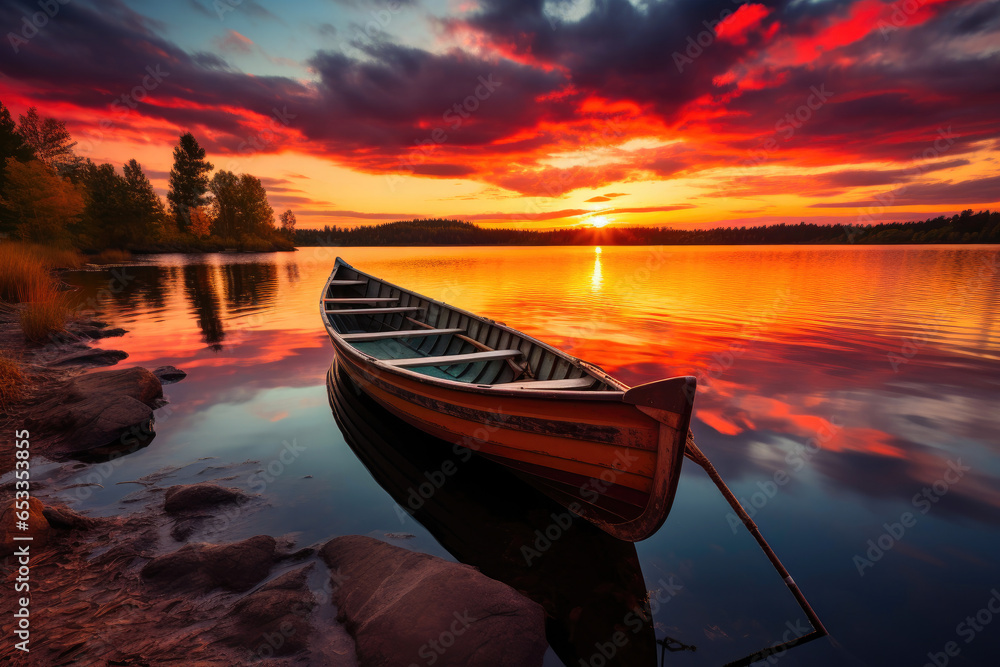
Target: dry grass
(45, 310)
(19, 269)
(12, 382)
(58, 258)
(112, 256)
(24, 266)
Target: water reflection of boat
(609, 452)
(589, 583)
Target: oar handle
(693, 452)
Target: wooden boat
(609, 452)
(485, 516)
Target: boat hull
(605, 460)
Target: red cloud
(735, 28)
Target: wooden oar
(695, 454)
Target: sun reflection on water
(596, 279)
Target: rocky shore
(125, 590)
(168, 581)
(70, 409)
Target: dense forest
(967, 227)
(51, 196)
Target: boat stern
(670, 402)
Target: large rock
(200, 568)
(99, 411)
(194, 497)
(138, 383)
(404, 607)
(37, 526)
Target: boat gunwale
(592, 370)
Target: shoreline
(806, 244)
(137, 254)
(173, 559)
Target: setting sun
(599, 221)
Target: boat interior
(407, 330)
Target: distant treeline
(967, 227)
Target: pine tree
(106, 219)
(122, 211)
(188, 180)
(50, 141)
(145, 206)
(12, 145)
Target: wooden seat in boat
(364, 299)
(374, 311)
(410, 333)
(571, 383)
(450, 359)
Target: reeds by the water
(58, 258)
(26, 278)
(26, 264)
(45, 311)
(19, 268)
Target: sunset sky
(536, 114)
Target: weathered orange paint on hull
(613, 472)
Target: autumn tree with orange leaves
(44, 203)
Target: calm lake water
(849, 395)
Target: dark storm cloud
(472, 100)
(94, 54)
(541, 86)
(972, 191)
